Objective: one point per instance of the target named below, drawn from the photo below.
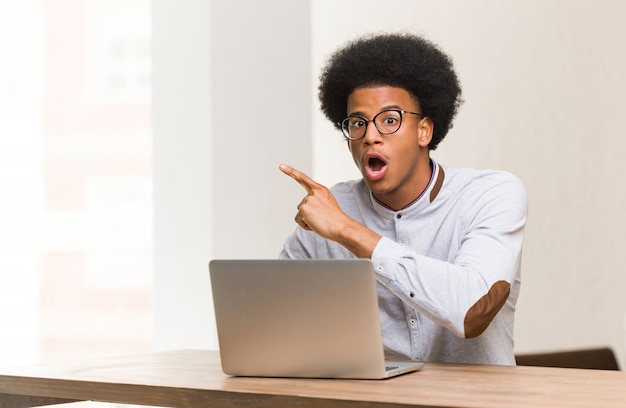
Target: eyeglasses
(386, 122)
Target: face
(396, 167)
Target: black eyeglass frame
(346, 133)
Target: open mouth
(375, 167)
(376, 164)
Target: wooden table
(193, 378)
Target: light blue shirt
(448, 266)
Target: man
(445, 242)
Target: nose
(372, 135)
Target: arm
(462, 293)
(465, 291)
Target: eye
(356, 123)
(388, 119)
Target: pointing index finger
(305, 181)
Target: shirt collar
(437, 176)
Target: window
(75, 179)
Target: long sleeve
(467, 285)
(448, 266)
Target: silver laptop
(300, 318)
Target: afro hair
(400, 60)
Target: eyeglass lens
(386, 122)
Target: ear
(425, 131)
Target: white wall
(543, 86)
(184, 200)
(232, 100)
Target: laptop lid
(299, 318)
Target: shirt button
(380, 268)
(398, 216)
(412, 321)
(412, 294)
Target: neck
(399, 200)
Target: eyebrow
(384, 108)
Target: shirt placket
(410, 314)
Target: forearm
(462, 297)
(358, 239)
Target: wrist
(358, 239)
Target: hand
(318, 211)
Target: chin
(376, 187)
